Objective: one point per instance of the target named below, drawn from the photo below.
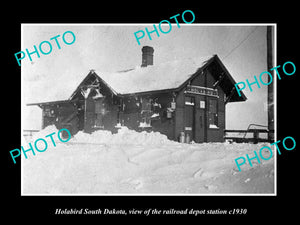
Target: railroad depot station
(188, 95)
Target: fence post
(255, 136)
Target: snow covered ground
(142, 163)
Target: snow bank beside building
(142, 163)
(123, 137)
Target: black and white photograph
(148, 109)
(145, 111)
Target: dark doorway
(201, 121)
(189, 114)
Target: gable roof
(228, 84)
(171, 75)
(168, 75)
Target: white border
(274, 35)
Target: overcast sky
(111, 48)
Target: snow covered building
(187, 96)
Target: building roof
(165, 76)
(168, 75)
(171, 75)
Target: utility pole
(270, 63)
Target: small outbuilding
(181, 98)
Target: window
(99, 113)
(133, 105)
(49, 112)
(146, 105)
(202, 104)
(98, 105)
(213, 113)
(146, 112)
(189, 100)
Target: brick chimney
(147, 56)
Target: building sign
(202, 91)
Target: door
(89, 115)
(189, 114)
(100, 113)
(94, 114)
(200, 125)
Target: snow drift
(123, 137)
(142, 163)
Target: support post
(270, 63)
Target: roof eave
(40, 104)
(148, 92)
(235, 97)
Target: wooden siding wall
(65, 116)
(132, 114)
(179, 114)
(165, 125)
(216, 134)
(212, 134)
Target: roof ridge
(162, 63)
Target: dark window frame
(213, 109)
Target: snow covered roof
(168, 75)
(164, 76)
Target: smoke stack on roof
(147, 56)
